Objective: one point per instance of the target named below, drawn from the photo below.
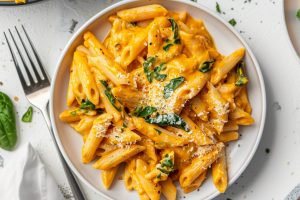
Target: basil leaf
(170, 119)
(218, 9)
(147, 68)
(298, 14)
(109, 95)
(27, 117)
(87, 105)
(144, 112)
(167, 47)
(241, 79)
(170, 87)
(232, 22)
(8, 131)
(206, 66)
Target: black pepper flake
(1, 83)
(239, 145)
(267, 150)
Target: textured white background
(269, 175)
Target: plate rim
(287, 33)
(198, 6)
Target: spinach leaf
(241, 77)
(170, 87)
(176, 39)
(175, 28)
(166, 165)
(87, 105)
(150, 74)
(109, 95)
(157, 75)
(206, 66)
(8, 132)
(170, 119)
(147, 68)
(144, 112)
(167, 46)
(232, 22)
(218, 9)
(27, 117)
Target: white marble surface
(269, 176)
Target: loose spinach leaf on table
(27, 117)
(8, 132)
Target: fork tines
(42, 79)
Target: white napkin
(25, 177)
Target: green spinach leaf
(144, 112)
(241, 77)
(8, 132)
(172, 86)
(87, 105)
(109, 95)
(206, 66)
(170, 119)
(27, 117)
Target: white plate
(292, 23)
(227, 40)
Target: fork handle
(73, 182)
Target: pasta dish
(157, 97)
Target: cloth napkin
(25, 177)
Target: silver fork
(37, 94)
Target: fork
(37, 93)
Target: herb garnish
(241, 79)
(218, 9)
(157, 75)
(166, 165)
(232, 22)
(147, 68)
(150, 74)
(173, 85)
(170, 119)
(144, 112)
(176, 39)
(109, 95)
(27, 117)
(87, 105)
(167, 46)
(298, 14)
(206, 66)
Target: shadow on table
(255, 168)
